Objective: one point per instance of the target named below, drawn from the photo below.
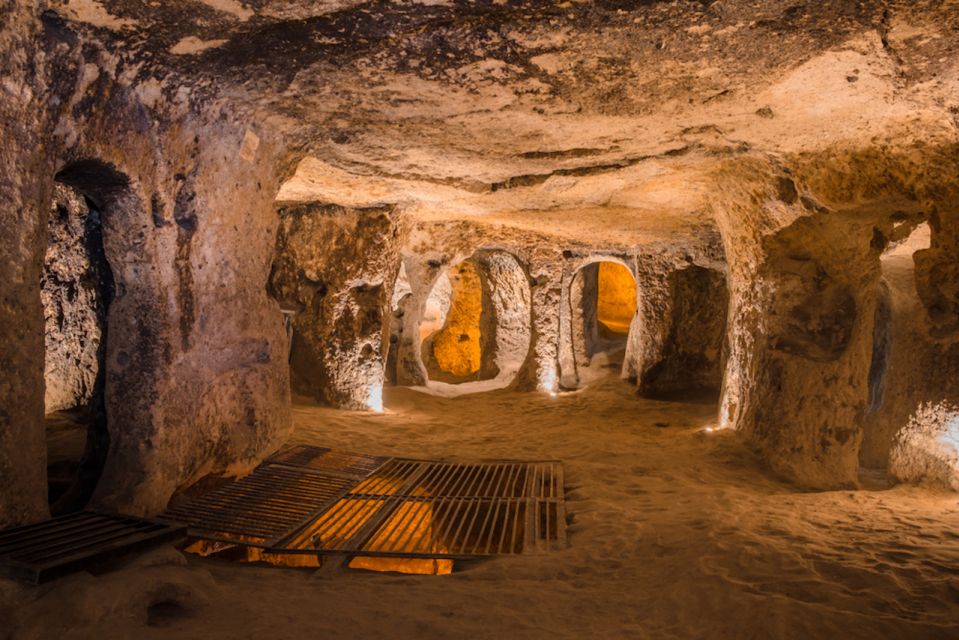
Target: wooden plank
(69, 544)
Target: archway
(474, 329)
(77, 288)
(599, 312)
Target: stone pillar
(801, 338)
(337, 267)
(648, 335)
(422, 274)
(541, 372)
(24, 202)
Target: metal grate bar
(67, 525)
(314, 500)
(530, 480)
(416, 508)
(268, 503)
(329, 461)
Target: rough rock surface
(77, 288)
(780, 143)
(477, 317)
(22, 457)
(690, 358)
(926, 449)
(341, 304)
(196, 376)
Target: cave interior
(701, 255)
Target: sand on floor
(675, 533)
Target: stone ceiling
(605, 113)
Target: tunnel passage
(475, 324)
(601, 306)
(604, 294)
(692, 356)
(76, 290)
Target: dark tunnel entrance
(77, 288)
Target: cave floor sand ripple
(674, 533)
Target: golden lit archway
(615, 297)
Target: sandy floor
(675, 534)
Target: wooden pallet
(46, 550)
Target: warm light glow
(616, 297)
(409, 566)
(548, 381)
(410, 527)
(457, 346)
(374, 399)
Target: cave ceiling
(539, 113)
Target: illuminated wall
(616, 298)
(456, 347)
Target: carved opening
(475, 324)
(602, 303)
(77, 288)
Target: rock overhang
(488, 93)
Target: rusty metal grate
(413, 508)
(46, 550)
(322, 459)
(311, 500)
(465, 480)
(264, 505)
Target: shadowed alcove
(88, 216)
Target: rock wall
(802, 307)
(336, 267)
(76, 289)
(584, 312)
(509, 298)
(196, 378)
(926, 449)
(818, 341)
(24, 194)
(550, 265)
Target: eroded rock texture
(927, 448)
(336, 268)
(786, 146)
(77, 288)
(23, 197)
(196, 376)
(691, 359)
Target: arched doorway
(600, 308)
(87, 229)
(474, 330)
